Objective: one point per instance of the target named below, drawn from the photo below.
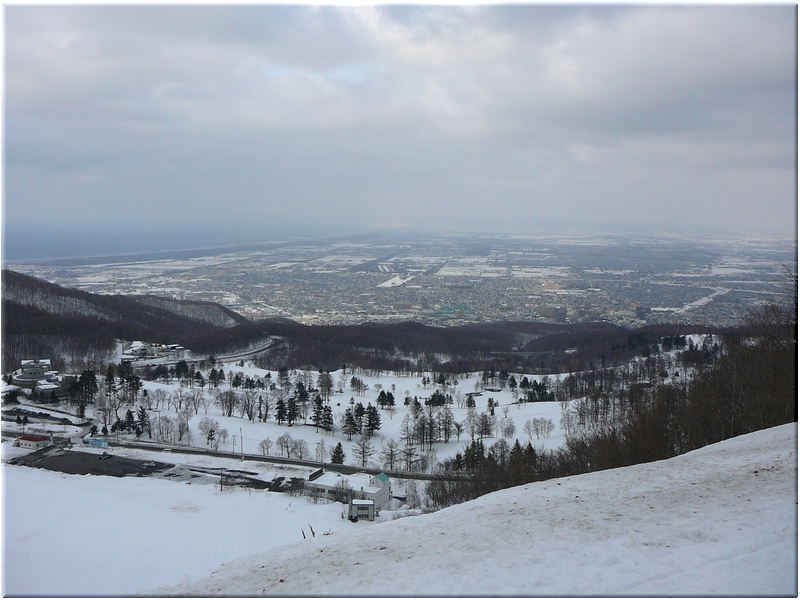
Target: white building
(32, 442)
(32, 371)
(377, 488)
(139, 349)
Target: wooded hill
(41, 319)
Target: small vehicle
(104, 456)
(149, 464)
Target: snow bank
(718, 521)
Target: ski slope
(718, 521)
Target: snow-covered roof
(357, 481)
(359, 502)
(45, 362)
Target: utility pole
(241, 445)
(233, 448)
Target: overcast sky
(525, 118)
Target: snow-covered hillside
(718, 521)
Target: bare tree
(320, 451)
(209, 428)
(264, 446)
(158, 398)
(247, 404)
(182, 425)
(222, 437)
(195, 399)
(301, 449)
(227, 401)
(284, 444)
(343, 492)
(363, 451)
(206, 402)
(390, 454)
(528, 429)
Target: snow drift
(721, 520)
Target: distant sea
(71, 246)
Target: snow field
(106, 536)
(718, 521)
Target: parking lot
(86, 463)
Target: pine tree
(291, 411)
(317, 417)
(373, 423)
(337, 454)
(143, 421)
(280, 411)
(350, 428)
(130, 420)
(327, 418)
(358, 413)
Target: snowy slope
(718, 521)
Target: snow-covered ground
(718, 521)
(255, 432)
(103, 536)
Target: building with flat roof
(377, 488)
(32, 442)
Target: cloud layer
(519, 117)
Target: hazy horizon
(148, 128)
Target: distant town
(454, 280)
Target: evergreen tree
(291, 411)
(373, 423)
(327, 418)
(358, 414)
(317, 417)
(350, 428)
(337, 454)
(130, 420)
(87, 386)
(280, 411)
(81, 414)
(143, 421)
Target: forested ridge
(70, 326)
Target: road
(344, 469)
(249, 353)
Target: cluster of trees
(360, 420)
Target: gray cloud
(505, 116)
